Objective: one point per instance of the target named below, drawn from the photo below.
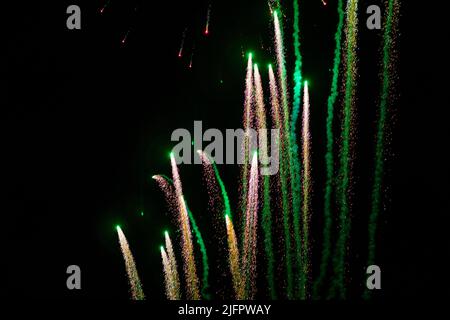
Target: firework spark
(208, 16)
(248, 120)
(175, 279)
(233, 258)
(190, 269)
(266, 212)
(286, 156)
(168, 276)
(166, 185)
(346, 156)
(125, 37)
(306, 212)
(102, 9)
(250, 232)
(212, 174)
(133, 278)
(386, 80)
(183, 38)
(329, 156)
(301, 259)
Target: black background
(86, 121)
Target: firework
(291, 191)
(133, 278)
(212, 174)
(102, 9)
(329, 156)
(233, 258)
(306, 212)
(175, 279)
(351, 33)
(190, 269)
(286, 156)
(248, 119)
(166, 185)
(183, 38)
(125, 37)
(208, 16)
(266, 213)
(168, 276)
(386, 80)
(295, 170)
(250, 232)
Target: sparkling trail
(250, 233)
(346, 154)
(233, 259)
(133, 278)
(329, 157)
(266, 212)
(168, 276)
(301, 260)
(192, 282)
(173, 267)
(388, 71)
(306, 203)
(248, 120)
(286, 158)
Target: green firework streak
(226, 200)
(300, 256)
(267, 229)
(341, 247)
(329, 157)
(201, 243)
(379, 149)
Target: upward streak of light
(329, 157)
(274, 100)
(295, 165)
(175, 279)
(190, 269)
(281, 185)
(166, 185)
(306, 139)
(250, 233)
(133, 278)
(286, 156)
(266, 213)
(168, 276)
(233, 258)
(210, 164)
(260, 116)
(388, 70)
(351, 33)
(248, 119)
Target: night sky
(86, 121)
